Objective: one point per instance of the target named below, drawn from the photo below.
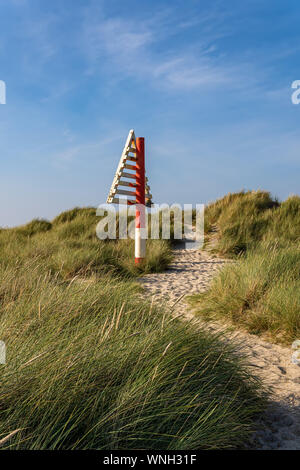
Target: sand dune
(191, 272)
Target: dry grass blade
(8, 437)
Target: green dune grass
(92, 365)
(261, 290)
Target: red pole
(140, 241)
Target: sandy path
(191, 272)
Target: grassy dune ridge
(91, 365)
(261, 290)
(69, 245)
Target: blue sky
(207, 83)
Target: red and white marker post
(140, 219)
(133, 159)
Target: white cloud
(106, 149)
(124, 48)
(67, 155)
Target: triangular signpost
(130, 175)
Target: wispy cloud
(127, 49)
(105, 149)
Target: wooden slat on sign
(124, 164)
(129, 167)
(127, 175)
(130, 144)
(131, 159)
(125, 193)
(127, 183)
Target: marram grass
(260, 291)
(91, 365)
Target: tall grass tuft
(91, 365)
(260, 293)
(261, 290)
(241, 219)
(34, 227)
